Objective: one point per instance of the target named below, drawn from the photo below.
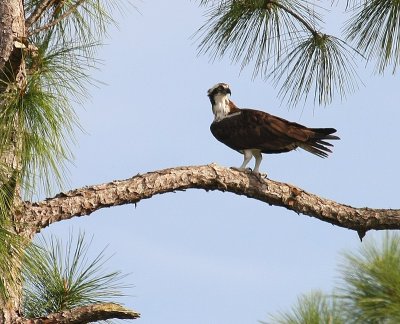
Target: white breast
(221, 107)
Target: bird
(253, 132)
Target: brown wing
(253, 129)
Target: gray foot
(246, 170)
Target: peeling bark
(84, 201)
(85, 314)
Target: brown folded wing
(253, 129)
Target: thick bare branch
(86, 314)
(84, 201)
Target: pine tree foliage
(10, 245)
(368, 290)
(37, 117)
(285, 43)
(313, 308)
(320, 65)
(64, 37)
(60, 276)
(370, 286)
(374, 27)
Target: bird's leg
(247, 157)
(258, 156)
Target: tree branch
(56, 21)
(41, 8)
(296, 16)
(86, 314)
(84, 201)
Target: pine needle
(59, 277)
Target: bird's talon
(246, 170)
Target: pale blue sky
(209, 257)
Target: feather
(254, 129)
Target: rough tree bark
(31, 217)
(12, 28)
(9, 11)
(85, 314)
(83, 201)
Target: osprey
(253, 132)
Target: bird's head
(218, 93)
(220, 102)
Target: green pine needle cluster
(283, 40)
(368, 291)
(313, 308)
(252, 30)
(11, 247)
(59, 277)
(39, 118)
(85, 20)
(375, 29)
(370, 287)
(247, 31)
(320, 64)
